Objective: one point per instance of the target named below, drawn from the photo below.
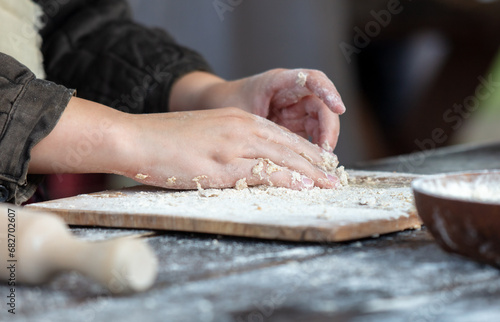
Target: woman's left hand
(304, 101)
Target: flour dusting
(204, 192)
(483, 187)
(258, 168)
(171, 180)
(342, 175)
(358, 202)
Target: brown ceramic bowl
(462, 212)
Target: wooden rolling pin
(36, 246)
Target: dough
(241, 184)
(197, 180)
(270, 168)
(301, 79)
(141, 176)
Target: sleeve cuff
(28, 113)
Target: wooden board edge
(238, 229)
(366, 230)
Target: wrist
(86, 139)
(195, 91)
(122, 142)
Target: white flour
(273, 205)
(484, 187)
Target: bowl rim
(417, 184)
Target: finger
(295, 111)
(302, 134)
(285, 157)
(270, 131)
(242, 173)
(323, 125)
(293, 125)
(312, 116)
(324, 89)
(311, 126)
(293, 121)
(312, 153)
(265, 172)
(288, 94)
(292, 117)
(301, 131)
(289, 86)
(329, 130)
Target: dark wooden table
(397, 277)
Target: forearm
(83, 141)
(200, 91)
(214, 148)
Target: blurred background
(414, 75)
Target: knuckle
(318, 74)
(232, 111)
(278, 70)
(235, 117)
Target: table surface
(397, 277)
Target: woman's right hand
(211, 148)
(216, 148)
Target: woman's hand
(217, 148)
(304, 101)
(206, 149)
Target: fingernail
(308, 182)
(335, 180)
(343, 109)
(336, 104)
(332, 178)
(340, 104)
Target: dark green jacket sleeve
(29, 110)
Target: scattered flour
(483, 187)
(371, 201)
(257, 169)
(342, 175)
(329, 162)
(197, 180)
(355, 203)
(272, 167)
(205, 192)
(296, 177)
(171, 181)
(241, 184)
(141, 176)
(267, 166)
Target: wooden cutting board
(373, 203)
